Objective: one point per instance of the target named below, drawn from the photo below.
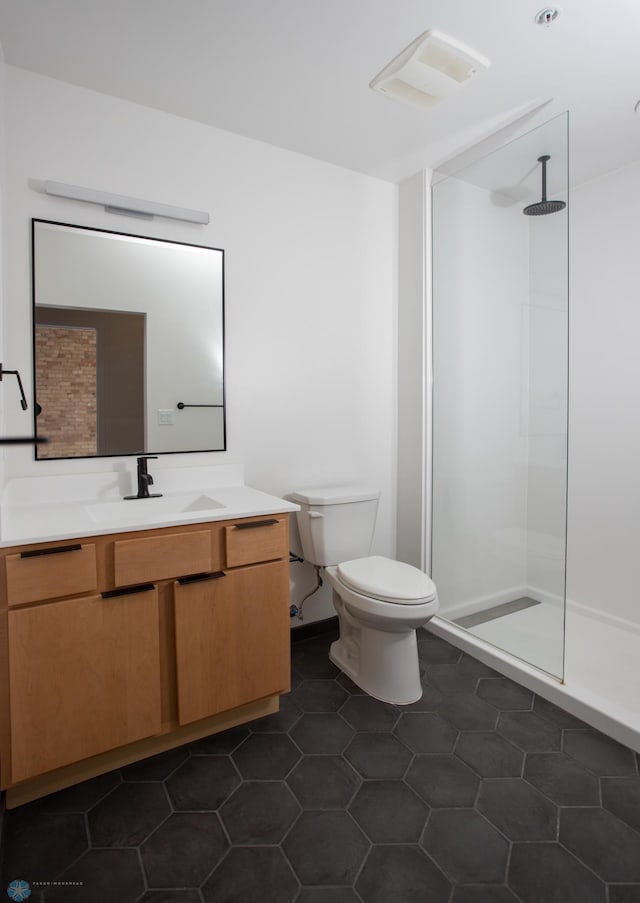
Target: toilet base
(383, 664)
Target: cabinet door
(232, 639)
(84, 678)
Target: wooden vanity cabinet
(232, 646)
(84, 677)
(117, 647)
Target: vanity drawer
(64, 570)
(252, 541)
(161, 557)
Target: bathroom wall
(3, 131)
(413, 377)
(310, 282)
(604, 392)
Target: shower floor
(600, 667)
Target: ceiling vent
(430, 69)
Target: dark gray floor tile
(311, 659)
(547, 873)
(426, 732)
(443, 781)
(378, 755)
(624, 893)
(265, 757)
(449, 679)
(322, 733)
(251, 875)
(491, 755)
(323, 782)
(349, 685)
(328, 895)
(529, 731)
(364, 713)
(480, 894)
(428, 702)
(220, 744)
(156, 768)
(434, 651)
(81, 797)
(600, 754)
(202, 783)
(282, 720)
(326, 848)
(319, 696)
(467, 848)
(183, 850)
(171, 896)
(389, 812)
(556, 715)
(128, 815)
(470, 665)
(518, 809)
(401, 873)
(506, 695)
(469, 713)
(622, 797)
(259, 812)
(98, 876)
(607, 845)
(562, 779)
(41, 846)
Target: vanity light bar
(118, 203)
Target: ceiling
(295, 73)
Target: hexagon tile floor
(479, 793)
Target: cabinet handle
(34, 553)
(128, 590)
(256, 523)
(196, 578)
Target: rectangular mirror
(128, 343)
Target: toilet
(380, 602)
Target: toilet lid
(387, 580)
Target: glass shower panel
(500, 360)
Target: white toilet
(380, 602)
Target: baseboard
(316, 628)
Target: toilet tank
(336, 523)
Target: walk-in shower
(500, 360)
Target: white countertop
(42, 509)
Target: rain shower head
(543, 207)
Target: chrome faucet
(144, 480)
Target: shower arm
(543, 160)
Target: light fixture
(430, 69)
(118, 203)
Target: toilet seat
(387, 580)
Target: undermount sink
(130, 511)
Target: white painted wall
(604, 390)
(310, 282)
(413, 378)
(3, 131)
(481, 282)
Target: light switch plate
(165, 417)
